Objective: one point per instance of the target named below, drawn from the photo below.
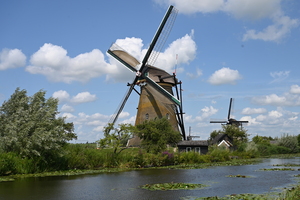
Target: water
(125, 185)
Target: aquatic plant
(278, 169)
(173, 186)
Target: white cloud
(69, 116)
(275, 100)
(67, 108)
(295, 89)
(11, 58)
(244, 9)
(184, 47)
(205, 112)
(61, 95)
(123, 115)
(251, 9)
(83, 97)
(272, 99)
(276, 32)
(279, 76)
(224, 76)
(53, 62)
(193, 6)
(251, 121)
(251, 111)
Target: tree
(116, 137)
(238, 135)
(156, 134)
(29, 126)
(214, 134)
(289, 141)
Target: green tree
(238, 135)
(156, 134)
(214, 134)
(289, 141)
(116, 138)
(29, 126)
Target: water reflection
(125, 185)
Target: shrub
(219, 154)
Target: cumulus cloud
(295, 89)
(204, 114)
(66, 108)
(61, 95)
(82, 97)
(184, 47)
(224, 76)
(276, 32)
(192, 6)
(287, 99)
(251, 111)
(53, 62)
(244, 9)
(251, 9)
(11, 58)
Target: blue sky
(242, 49)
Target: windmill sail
(230, 121)
(123, 57)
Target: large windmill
(157, 99)
(230, 121)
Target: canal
(126, 185)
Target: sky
(247, 50)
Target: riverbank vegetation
(33, 139)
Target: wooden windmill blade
(130, 62)
(163, 91)
(229, 111)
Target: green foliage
(214, 134)
(289, 141)
(29, 127)
(238, 135)
(262, 139)
(219, 154)
(116, 137)
(156, 134)
(173, 186)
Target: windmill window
(147, 116)
(168, 116)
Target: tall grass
(86, 156)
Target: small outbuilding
(200, 146)
(222, 140)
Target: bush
(219, 154)
(11, 163)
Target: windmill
(230, 121)
(157, 99)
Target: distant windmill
(156, 94)
(230, 121)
